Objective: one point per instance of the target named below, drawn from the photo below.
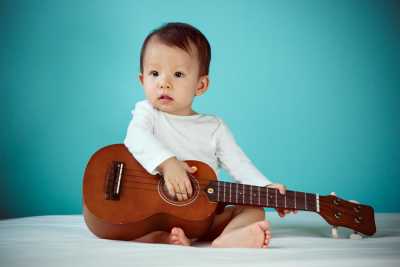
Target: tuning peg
(334, 232)
(355, 235)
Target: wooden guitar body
(122, 201)
(142, 204)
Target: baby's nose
(164, 83)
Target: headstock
(339, 212)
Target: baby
(165, 131)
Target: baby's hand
(176, 178)
(282, 190)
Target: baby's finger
(179, 196)
(170, 189)
(189, 169)
(281, 213)
(177, 191)
(282, 189)
(193, 169)
(189, 188)
(182, 190)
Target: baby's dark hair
(181, 35)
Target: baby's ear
(202, 86)
(140, 77)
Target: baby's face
(170, 78)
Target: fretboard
(250, 195)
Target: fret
(230, 192)
(276, 197)
(290, 199)
(300, 201)
(266, 189)
(259, 203)
(224, 192)
(285, 201)
(243, 192)
(272, 200)
(280, 199)
(295, 200)
(305, 201)
(315, 196)
(237, 201)
(251, 195)
(312, 201)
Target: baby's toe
(267, 238)
(175, 231)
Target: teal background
(309, 88)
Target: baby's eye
(179, 74)
(154, 73)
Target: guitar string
(206, 182)
(202, 181)
(247, 192)
(344, 212)
(246, 186)
(150, 179)
(141, 171)
(149, 176)
(263, 198)
(310, 201)
(247, 189)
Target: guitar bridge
(113, 180)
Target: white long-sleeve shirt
(154, 136)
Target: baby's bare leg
(154, 237)
(219, 223)
(247, 228)
(176, 237)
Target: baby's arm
(153, 155)
(239, 166)
(140, 140)
(232, 159)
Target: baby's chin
(170, 109)
(164, 108)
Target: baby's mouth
(165, 97)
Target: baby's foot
(256, 235)
(178, 237)
(267, 238)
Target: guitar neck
(250, 195)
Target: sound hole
(173, 199)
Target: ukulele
(122, 201)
